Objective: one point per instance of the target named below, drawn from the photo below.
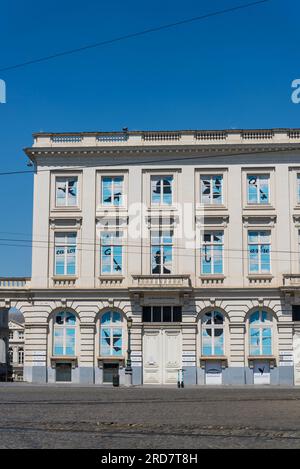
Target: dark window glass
(167, 317)
(296, 312)
(147, 314)
(156, 313)
(177, 314)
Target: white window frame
(65, 174)
(162, 245)
(66, 198)
(212, 233)
(211, 172)
(122, 325)
(64, 245)
(64, 327)
(260, 325)
(112, 231)
(160, 178)
(99, 190)
(259, 243)
(259, 171)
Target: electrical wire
(132, 35)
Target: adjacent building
(3, 343)
(156, 251)
(16, 349)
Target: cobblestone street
(148, 418)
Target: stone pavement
(68, 416)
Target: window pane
(252, 189)
(156, 313)
(72, 191)
(205, 189)
(254, 317)
(177, 314)
(264, 190)
(217, 189)
(218, 342)
(107, 190)
(118, 190)
(265, 258)
(117, 342)
(146, 313)
(167, 317)
(105, 318)
(156, 260)
(206, 342)
(218, 259)
(61, 187)
(155, 189)
(167, 190)
(206, 260)
(167, 260)
(70, 341)
(267, 341)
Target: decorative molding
(259, 219)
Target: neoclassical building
(157, 251)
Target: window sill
(162, 208)
(211, 207)
(260, 276)
(259, 207)
(63, 358)
(66, 209)
(105, 208)
(64, 277)
(212, 277)
(214, 358)
(253, 358)
(120, 360)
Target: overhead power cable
(132, 35)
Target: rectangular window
(65, 254)
(161, 252)
(11, 335)
(21, 335)
(112, 190)
(258, 188)
(21, 356)
(66, 191)
(259, 252)
(298, 188)
(212, 253)
(161, 190)
(211, 187)
(111, 258)
(162, 314)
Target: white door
(171, 355)
(261, 372)
(161, 356)
(152, 351)
(213, 373)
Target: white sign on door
(213, 373)
(261, 373)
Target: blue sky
(230, 71)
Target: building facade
(16, 349)
(160, 251)
(3, 343)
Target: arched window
(261, 331)
(64, 333)
(111, 334)
(212, 333)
